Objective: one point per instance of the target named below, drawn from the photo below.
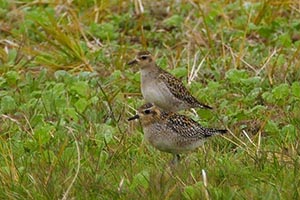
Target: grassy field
(66, 93)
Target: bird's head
(144, 59)
(148, 114)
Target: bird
(172, 132)
(162, 88)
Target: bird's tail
(201, 105)
(212, 131)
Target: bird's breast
(154, 92)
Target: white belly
(158, 93)
(168, 141)
(155, 93)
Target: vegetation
(66, 93)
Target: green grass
(66, 94)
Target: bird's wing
(176, 87)
(187, 127)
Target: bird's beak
(134, 117)
(132, 62)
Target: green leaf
(116, 75)
(71, 113)
(296, 89)
(253, 94)
(81, 88)
(173, 21)
(280, 60)
(281, 91)
(12, 77)
(239, 115)
(289, 132)
(258, 109)
(12, 54)
(58, 89)
(43, 133)
(105, 31)
(235, 76)
(189, 192)
(284, 40)
(2, 81)
(37, 119)
(61, 74)
(140, 180)
(193, 191)
(179, 72)
(265, 32)
(8, 104)
(103, 158)
(105, 133)
(271, 127)
(268, 97)
(81, 105)
(94, 100)
(251, 81)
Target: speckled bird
(171, 132)
(162, 88)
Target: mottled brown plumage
(162, 88)
(171, 132)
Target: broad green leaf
(253, 94)
(43, 133)
(268, 97)
(296, 89)
(105, 133)
(81, 88)
(289, 132)
(271, 127)
(8, 104)
(140, 180)
(251, 81)
(105, 31)
(37, 119)
(189, 192)
(71, 113)
(173, 21)
(2, 81)
(180, 72)
(193, 191)
(81, 105)
(235, 76)
(94, 100)
(103, 158)
(281, 91)
(284, 40)
(12, 77)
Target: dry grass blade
(139, 8)
(195, 69)
(234, 56)
(65, 196)
(266, 62)
(205, 183)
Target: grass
(66, 94)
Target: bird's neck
(146, 122)
(150, 71)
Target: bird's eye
(144, 57)
(147, 111)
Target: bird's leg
(176, 159)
